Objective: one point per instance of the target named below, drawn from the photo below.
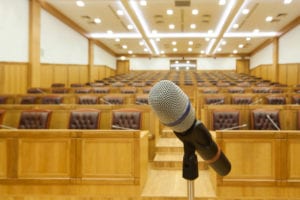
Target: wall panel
(3, 158)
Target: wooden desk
(54, 160)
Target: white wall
(60, 44)
(101, 57)
(149, 64)
(264, 56)
(216, 63)
(14, 30)
(289, 47)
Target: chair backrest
(128, 90)
(82, 90)
(262, 119)
(87, 100)
(242, 100)
(35, 91)
(226, 119)
(35, 119)
(236, 90)
(276, 100)
(261, 90)
(57, 85)
(3, 99)
(126, 119)
(51, 100)
(75, 85)
(60, 90)
(84, 119)
(298, 119)
(28, 100)
(113, 100)
(101, 90)
(141, 99)
(215, 100)
(296, 99)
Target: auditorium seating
(276, 100)
(128, 90)
(56, 85)
(35, 119)
(28, 100)
(101, 90)
(236, 90)
(35, 91)
(2, 112)
(84, 119)
(214, 100)
(3, 99)
(60, 90)
(76, 85)
(126, 119)
(87, 99)
(242, 100)
(112, 100)
(295, 99)
(82, 90)
(141, 99)
(51, 99)
(263, 119)
(226, 119)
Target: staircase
(165, 181)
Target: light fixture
(171, 26)
(175, 49)
(174, 43)
(191, 42)
(97, 20)
(248, 38)
(141, 43)
(162, 52)
(222, 2)
(241, 46)
(210, 32)
(245, 11)
(123, 57)
(287, 1)
(130, 26)
(146, 50)
(195, 12)
(255, 30)
(202, 52)
(117, 39)
(193, 26)
(154, 31)
(223, 42)
(130, 52)
(269, 19)
(80, 3)
(143, 2)
(190, 49)
(207, 39)
(109, 32)
(235, 26)
(124, 46)
(235, 51)
(170, 12)
(157, 39)
(219, 49)
(120, 12)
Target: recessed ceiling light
(171, 26)
(193, 26)
(146, 50)
(174, 43)
(187, 62)
(195, 12)
(245, 11)
(174, 49)
(170, 12)
(120, 12)
(210, 31)
(219, 49)
(176, 61)
(207, 39)
(190, 49)
(97, 20)
(191, 42)
(241, 46)
(162, 52)
(223, 42)
(130, 52)
(269, 18)
(222, 2)
(235, 51)
(109, 32)
(235, 26)
(141, 43)
(80, 3)
(117, 39)
(123, 57)
(202, 52)
(124, 46)
(143, 2)
(287, 1)
(157, 39)
(154, 31)
(248, 38)
(130, 26)
(255, 30)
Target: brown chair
(298, 119)
(87, 100)
(101, 90)
(276, 100)
(3, 99)
(51, 100)
(262, 119)
(126, 119)
(35, 91)
(210, 90)
(82, 90)
(128, 90)
(296, 99)
(35, 119)
(261, 90)
(226, 119)
(84, 119)
(60, 90)
(112, 100)
(76, 85)
(236, 90)
(56, 85)
(28, 100)
(141, 99)
(243, 100)
(215, 100)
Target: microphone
(235, 127)
(122, 128)
(273, 123)
(104, 101)
(173, 108)
(218, 102)
(257, 101)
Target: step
(167, 133)
(173, 160)
(169, 184)
(169, 145)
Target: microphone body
(174, 110)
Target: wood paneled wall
(289, 74)
(13, 77)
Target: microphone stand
(190, 168)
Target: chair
(28, 100)
(128, 90)
(51, 100)
(100, 90)
(35, 119)
(56, 85)
(298, 119)
(35, 91)
(82, 90)
(261, 90)
(241, 100)
(60, 90)
(112, 100)
(226, 119)
(265, 119)
(296, 99)
(76, 85)
(215, 100)
(276, 100)
(210, 90)
(3, 99)
(84, 119)
(141, 99)
(87, 100)
(126, 119)
(2, 112)
(236, 90)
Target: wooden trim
(91, 55)
(104, 47)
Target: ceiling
(129, 28)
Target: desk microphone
(123, 128)
(257, 101)
(104, 101)
(235, 127)
(272, 121)
(7, 127)
(218, 102)
(173, 108)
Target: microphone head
(172, 106)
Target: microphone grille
(172, 106)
